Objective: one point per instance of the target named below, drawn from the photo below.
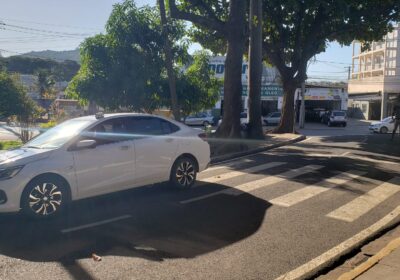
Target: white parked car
(384, 126)
(95, 155)
(199, 119)
(272, 118)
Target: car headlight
(9, 172)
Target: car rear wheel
(384, 130)
(45, 197)
(183, 173)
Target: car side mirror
(85, 144)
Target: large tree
(122, 67)
(297, 30)
(223, 21)
(169, 64)
(255, 69)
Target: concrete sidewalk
(387, 268)
(379, 259)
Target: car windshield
(58, 135)
(387, 119)
(339, 114)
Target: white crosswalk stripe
(256, 184)
(362, 204)
(233, 174)
(311, 191)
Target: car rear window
(339, 114)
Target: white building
(374, 85)
(272, 93)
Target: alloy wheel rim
(45, 199)
(185, 173)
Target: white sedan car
(95, 155)
(384, 126)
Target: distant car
(335, 118)
(243, 120)
(273, 118)
(95, 155)
(384, 126)
(199, 119)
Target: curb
(231, 156)
(365, 266)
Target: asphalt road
(285, 212)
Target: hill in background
(58, 56)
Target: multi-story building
(374, 85)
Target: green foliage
(197, 88)
(61, 71)
(12, 95)
(6, 145)
(295, 31)
(15, 102)
(48, 125)
(125, 67)
(122, 67)
(45, 83)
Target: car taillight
(203, 136)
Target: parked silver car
(201, 118)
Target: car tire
(183, 173)
(206, 123)
(45, 197)
(384, 130)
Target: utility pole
(348, 72)
(302, 105)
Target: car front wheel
(44, 197)
(384, 130)
(183, 173)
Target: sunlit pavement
(285, 212)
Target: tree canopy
(126, 68)
(295, 31)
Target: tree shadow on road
(159, 227)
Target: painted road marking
(308, 269)
(95, 224)
(233, 174)
(364, 203)
(256, 184)
(305, 193)
(217, 167)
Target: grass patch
(6, 145)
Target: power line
(52, 24)
(44, 31)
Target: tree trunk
(230, 126)
(255, 70)
(286, 124)
(168, 62)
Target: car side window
(150, 126)
(109, 131)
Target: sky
(33, 25)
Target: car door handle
(124, 148)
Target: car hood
(23, 155)
(376, 123)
